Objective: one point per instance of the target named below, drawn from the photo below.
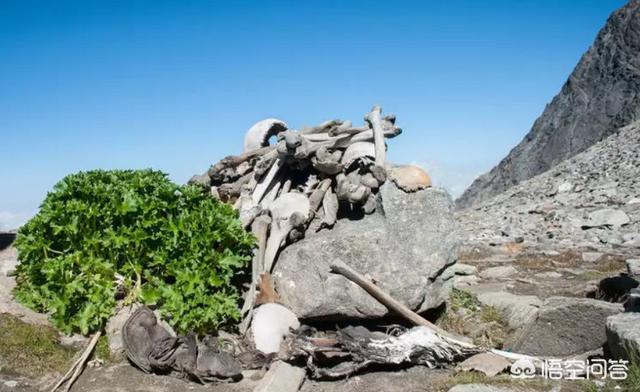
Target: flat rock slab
(502, 272)
(281, 377)
(566, 326)
(417, 378)
(517, 310)
(405, 247)
(478, 388)
(623, 335)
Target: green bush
(103, 234)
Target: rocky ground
(590, 202)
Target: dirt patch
(31, 350)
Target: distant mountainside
(589, 201)
(601, 95)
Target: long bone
(264, 183)
(287, 211)
(260, 228)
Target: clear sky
(173, 85)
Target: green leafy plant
(135, 234)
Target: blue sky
(173, 85)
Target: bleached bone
(410, 178)
(327, 162)
(292, 139)
(271, 323)
(369, 180)
(265, 162)
(357, 151)
(374, 119)
(311, 143)
(249, 210)
(286, 211)
(231, 190)
(259, 228)
(329, 208)
(322, 128)
(370, 205)
(350, 189)
(258, 135)
(271, 194)
(286, 187)
(265, 182)
(317, 196)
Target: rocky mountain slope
(601, 95)
(589, 201)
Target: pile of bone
(306, 180)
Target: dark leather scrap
(152, 349)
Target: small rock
(633, 267)
(623, 335)
(606, 217)
(487, 363)
(464, 269)
(565, 187)
(591, 257)
(460, 282)
(635, 200)
(281, 377)
(10, 384)
(501, 272)
(113, 330)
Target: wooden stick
(79, 365)
(338, 266)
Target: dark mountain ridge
(601, 95)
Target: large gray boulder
(623, 335)
(566, 326)
(406, 246)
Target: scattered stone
(501, 272)
(623, 335)
(517, 310)
(410, 265)
(549, 275)
(281, 377)
(566, 326)
(633, 267)
(606, 217)
(461, 282)
(464, 269)
(478, 388)
(487, 363)
(565, 187)
(10, 384)
(591, 257)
